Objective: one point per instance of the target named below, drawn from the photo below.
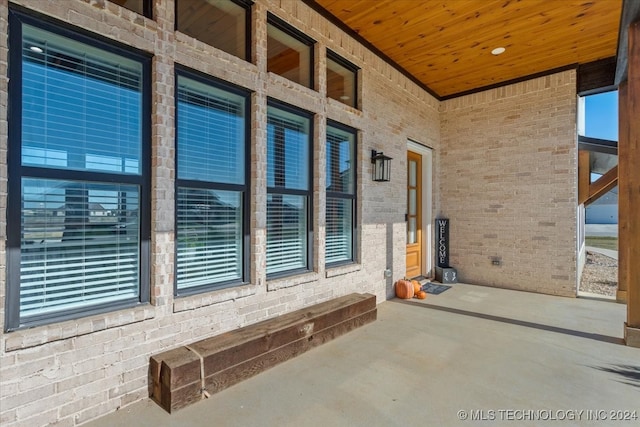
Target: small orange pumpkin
(417, 287)
(404, 289)
(421, 295)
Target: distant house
(604, 210)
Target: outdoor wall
(509, 184)
(74, 371)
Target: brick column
(163, 157)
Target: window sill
(40, 335)
(339, 105)
(342, 270)
(290, 281)
(205, 299)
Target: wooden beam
(630, 13)
(603, 185)
(583, 176)
(597, 76)
(629, 159)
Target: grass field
(602, 242)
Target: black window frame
(331, 55)
(19, 16)
(288, 29)
(247, 5)
(271, 102)
(347, 196)
(206, 79)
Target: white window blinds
(288, 188)
(80, 245)
(340, 187)
(211, 185)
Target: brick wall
(70, 372)
(508, 183)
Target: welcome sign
(442, 242)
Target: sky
(601, 119)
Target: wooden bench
(187, 374)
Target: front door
(414, 214)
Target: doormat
(434, 288)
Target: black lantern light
(381, 170)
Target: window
(223, 24)
(78, 216)
(289, 52)
(340, 187)
(289, 172)
(598, 116)
(212, 193)
(342, 80)
(143, 7)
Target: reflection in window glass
(211, 133)
(341, 80)
(219, 23)
(289, 54)
(289, 190)
(79, 82)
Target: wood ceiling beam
(630, 13)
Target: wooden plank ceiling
(447, 45)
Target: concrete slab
(510, 358)
(606, 252)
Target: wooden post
(629, 188)
(584, 180)
(623, 227)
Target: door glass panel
(412, 231)
(412, 173)
(412, 201)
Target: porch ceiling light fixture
(381, 171)
(498, 51)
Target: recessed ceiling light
(344, 97)
(498, 51)
(35, 49)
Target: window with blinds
(211, 184)
(289, 174)
(340, 192)
(77, 214)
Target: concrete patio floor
(531, 359)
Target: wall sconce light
(381, 170)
